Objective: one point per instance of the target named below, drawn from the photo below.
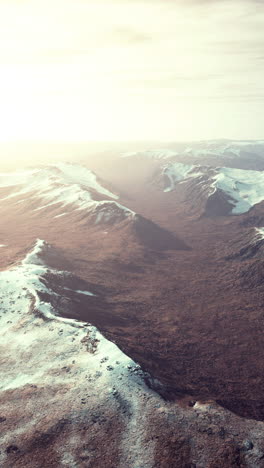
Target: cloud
(129, 36)
(132, 57)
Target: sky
(117, 70)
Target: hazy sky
(75, 70)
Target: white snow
(177, 172)
(203, 406)
(16, 178)
(255, 147)
(211, 148)
(106, 210)
(65, 357)
(74, 174)
(52, 343)
(260, 232)
(244, 188)
(151, 154)
(62, 185)
(201, 152)
(47, 177)
(65, 184)
(216, 148)
(86, 293)
(65, 370)
(19, 287)
(60, 215)
(33, 256)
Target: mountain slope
(241, 189)
(66, 186)
(41, 351)
(230, 153)
(69, 397)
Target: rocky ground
(69, 397)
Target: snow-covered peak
(151, 154)
(111, 212)
(243, 188)
(73, 174)
(218, 149)
(212, 150)
(177, 172)
(60, 185)
(45, 179)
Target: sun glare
(78, 71)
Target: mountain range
(131, 309)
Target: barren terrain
(172, 274)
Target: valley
(152, 260)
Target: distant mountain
(234, 153)
(228, 190)
(151, 154)
(64, 190)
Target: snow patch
(201, 406)
(86, 293)
(177, 172)
(32, 258)
(260, 232)
(60, 215)
(151, 154)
